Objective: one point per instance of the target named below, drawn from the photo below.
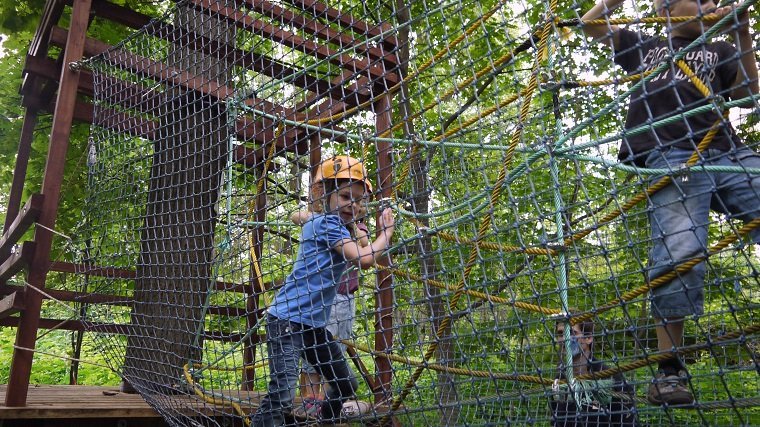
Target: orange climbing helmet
(343, 167)
(338, 167)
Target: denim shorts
(679, 217)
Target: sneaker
(308, 409)
(669, 389)
(355, 408)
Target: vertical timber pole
(19, 171)
(22, 161)
(26, 335)
(384, 299)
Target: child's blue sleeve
(331, 229)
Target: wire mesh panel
(526, 251)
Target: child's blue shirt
(309, 291)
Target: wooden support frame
(17, 261)
(26, 335)
(110, 328)
(17, 186)
(12, 304)
(20, 224)
(364, 72)
(358, 66)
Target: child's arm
(300, 217)
(366, 256)
(746, 75)
(608, 34)
(361, 233)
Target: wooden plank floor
(66, 401)
(51, 402)
(78, 401)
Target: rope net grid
(489, 130)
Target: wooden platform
(65, 401)
(66, 405)
(59, 405)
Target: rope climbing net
(492, 129)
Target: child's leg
(284, 348)
(340, 324)
(327, 358)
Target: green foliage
(20, 16)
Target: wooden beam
(325, 32)
(143, 100)
(108, 299)
(50, 70)
(120, 273)
(384, 280)
(109, 328)
(28, 215)
(19, 174)
(232, 56)
(253, 61)
(118, 14)
(357, 66)
(161, 72)
(50, 16)
(12, 304)
(17, 261)
(346, 20)
(39, 44)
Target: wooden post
(26, 335)
(19, 172)
(384, 300)
(22, 161)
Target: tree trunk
(174, 271)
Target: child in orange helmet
(297, 318)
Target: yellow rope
(496, 193)
(221, 401)
(710, 17)
(696, 81)
(488, 245)
(605, 373)
(252, 208)
(476, 294)
(666, 278)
